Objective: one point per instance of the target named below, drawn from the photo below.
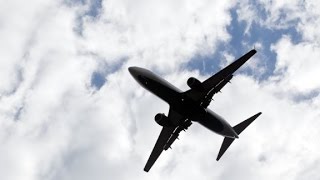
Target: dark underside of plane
(191, 105)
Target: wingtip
(256, 116)
(218, 157)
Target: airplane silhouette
(191, 105)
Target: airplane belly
(216, 123)
(211, 121)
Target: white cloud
(271, 14)
(302, 16)
(53, 125)
(298, 65)
(17, 31)
(152, 32)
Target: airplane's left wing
(216, 82)
(158, 148)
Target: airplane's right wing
(158, 148)
(163, 138)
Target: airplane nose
(132, 71)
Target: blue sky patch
(17, 115)
(97, 80)
(100, 76)
(207, 63)
(95, 8)
(93, 11)
(242, 42)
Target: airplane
(191, 106)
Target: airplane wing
(163, 138)
(218, 80)
(158, 148)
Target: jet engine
(194, 83)
(162, 120)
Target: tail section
(238, 129)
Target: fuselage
(181, 103)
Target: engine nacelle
(162, 120)
(194, 83)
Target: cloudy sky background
(69, 109)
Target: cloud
(297, 64)
(150, 31)
(55, 124)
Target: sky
(69, 108)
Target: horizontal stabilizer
(244, 124)
(225, 145)
(238, 129)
